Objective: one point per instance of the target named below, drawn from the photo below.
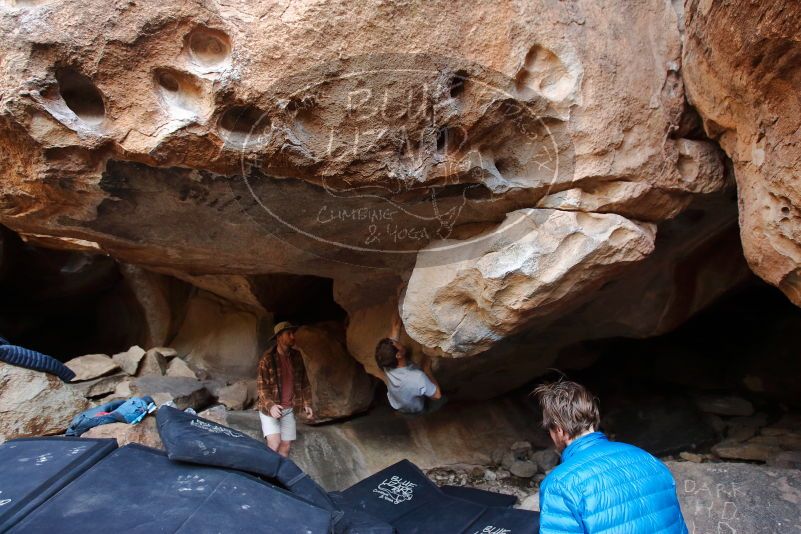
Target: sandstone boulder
(33, 403)
(144, 433)
(102, 386)
(725, 405)
(153, 363)
(537, 261)
(182, 391)
(729, 497)
(178, 367)
(340, 387)
(736, 67)
(237, 396)
(160, 113)
(217, 413)
(130, 359)
(91, 366)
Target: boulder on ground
(216, 413)
(129, 360)
(33, 403)
(153, 363)
(737, 497)
(546, 459)
(748, 450)
(340, 386)
(184, 392)
(167, 352)
(724, 405)
(144, 433)
(178, 367)
(523, 468)
(91, 366)
(100, 387)
(238, 395)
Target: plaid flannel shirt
(269, 382)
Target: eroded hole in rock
(181, 94)
(81, 96)
(208, 47)
(242, 126)
(544, 73)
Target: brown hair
(569, 406)
(385, 354)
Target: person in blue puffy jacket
(600, 485)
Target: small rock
(508, 459)
(153, 363)
(724, 405)
(691, 457)
(145, 433)
(167, 352)
(490, 476)
(104, 386)
(786, 460)
(521, 449)
(532, 502)
(546, 459)
(178, 367)
(497, 455)
(523, 468)
(129, 360)
(216, 413)
(91, 366)
(502, 474)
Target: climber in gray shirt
(408, 386)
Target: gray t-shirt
(406, 387)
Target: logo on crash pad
(395, 490)
(216, 429)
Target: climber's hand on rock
(309, 412)
(275, 411)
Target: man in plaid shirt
(283, 390)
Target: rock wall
(742, 70)
(515, 178)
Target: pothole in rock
(209, 48)
(181, 94)
(544, 73)
(81, 96)
(243, 126)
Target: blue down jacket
(604, 486)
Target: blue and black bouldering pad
(479, 496)
(136, 489)
(406, 498)
(34, 469)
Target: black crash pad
(33, 469)
(405, 497)
(137, 489)
(479, 496)
(190, 438)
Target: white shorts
(285, 426)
